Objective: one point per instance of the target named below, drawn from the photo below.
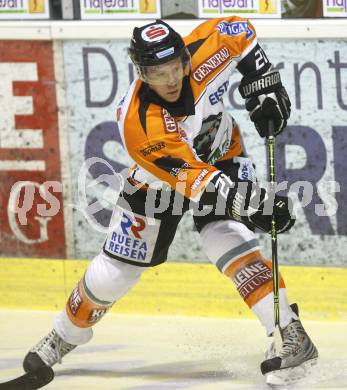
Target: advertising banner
(310, 152)
(335, 8)
(24, 9)
(31, 205)
(302, 8)
(245, 8)
(120, 9)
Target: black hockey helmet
(155, 44)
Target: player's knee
(108, 279)
(225, 240)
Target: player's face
(166, 79)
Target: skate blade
(289, 376)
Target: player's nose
(172, 79)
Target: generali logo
(211, 64)
(170, 123)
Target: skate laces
(293, 337)
(52, 348)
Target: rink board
(171, 289)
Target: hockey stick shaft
(272, 179)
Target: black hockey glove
(253, 206)
(266, 99)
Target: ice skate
(48, 351)
(297, 355)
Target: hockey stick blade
(31, 380)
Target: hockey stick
(31, 380)
(272, 180)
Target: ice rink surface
(130, 352)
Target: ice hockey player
(176, 129)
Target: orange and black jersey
(179, 143)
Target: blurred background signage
(120, 9)
(24, 9)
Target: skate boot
(48, 351)
(295, 358)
